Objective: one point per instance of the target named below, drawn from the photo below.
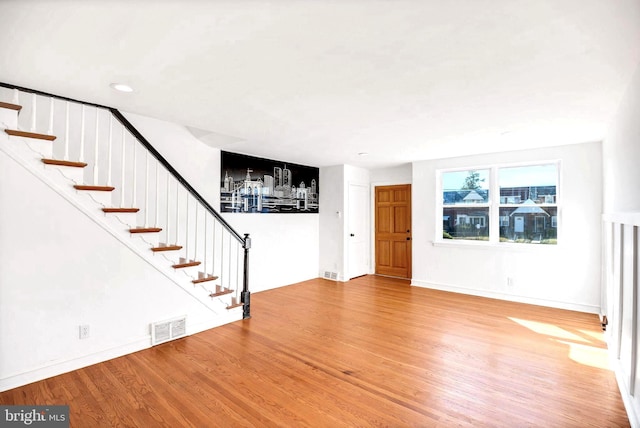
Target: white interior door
(358, 230)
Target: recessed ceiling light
(121, 87)
(363, 154)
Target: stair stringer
(29, 158)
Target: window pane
(528, 184)
(465, 187)
(529, 223)
(465, 223)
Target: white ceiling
(317, 82)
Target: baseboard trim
(591, 309)
(60, 367)
(139, 344)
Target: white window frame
(495, 203)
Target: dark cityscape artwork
(256, 185)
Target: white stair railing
(142, 179)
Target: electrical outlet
(84, 331)
(509, 281)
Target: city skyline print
(251, 184)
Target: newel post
(245, 296)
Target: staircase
(97, 160)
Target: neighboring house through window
(514, 203)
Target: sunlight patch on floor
(588, 355)
(549, 330)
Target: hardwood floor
(371, 352)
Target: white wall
(58, 270)
(331, 222)
(401, 174)
(621, 154)
(285, 247)
(566, 275)
(334, 217)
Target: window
(465, 202)
(516, 204)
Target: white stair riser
(38, 149)
(129, 219)
(103, 198)
(72, 173)
(8, 119)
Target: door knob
(353, 234)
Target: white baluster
(122, 165)
(33, 112)
(204, 257)
(109, 162)
(16, 97)
(177, 211)
(95, 149)
(186, 240)
(50, 130)
(66, 130)
(146, 191)
(230, 246)
(195, 235)
(213, 248)
(155, 222)
(134, 201)
(239, 267)
(81, 158)
(168, 223)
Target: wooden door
(393, 230)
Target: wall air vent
(164, 331)
(330, 275)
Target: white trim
(592, 309)
(630, 218)
(494, 204)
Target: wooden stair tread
(167, 248)
(235, 305)
(208, 278)
(221, 293)
(17, 133)
(58, 162)
(185, 264)
(10, 106)
(120, 210)
(145, 230)
(98, 188)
